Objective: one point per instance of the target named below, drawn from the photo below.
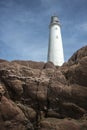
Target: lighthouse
(55, 48)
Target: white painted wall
(55, 49)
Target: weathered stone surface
(2, 90)
(2, 60)
(11, 116)
(78, 55)
(29, 112)
(49, 65)
(77, 73)
(62, 124)
(41, 96)
(31, 64)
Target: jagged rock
(77, 73)
(78, 55)
(29, 112)
(12, 116)
(31, 92)
(15, 88)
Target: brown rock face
(41, 96)
(11, 116)
(77, 56)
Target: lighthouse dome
(54, 20)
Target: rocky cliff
(41, 96)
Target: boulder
(11, 116)
(42, 96)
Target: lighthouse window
(56, 36)
(56, 28)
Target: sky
(24, 27)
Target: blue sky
(24, 30)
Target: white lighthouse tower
(55, 49)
